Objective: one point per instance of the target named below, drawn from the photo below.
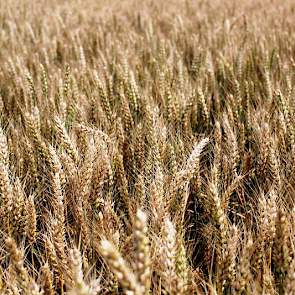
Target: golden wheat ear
(79, 286)
(120, 268)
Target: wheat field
(147, 147)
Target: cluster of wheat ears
(147, 148)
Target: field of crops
(147, 147)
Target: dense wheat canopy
(147, 147)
